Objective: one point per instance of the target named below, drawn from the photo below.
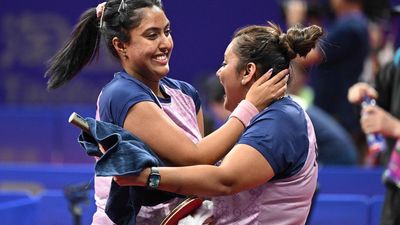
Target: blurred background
(38, 147)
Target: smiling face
(231, 78)
(150, 46)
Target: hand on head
(265, 90)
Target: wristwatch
(154, 178)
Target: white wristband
(245, 111)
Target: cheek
(136, 53)
(172, 42)
(234, 93)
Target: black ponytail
(80, 50)
(83, 46)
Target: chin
(163, 72)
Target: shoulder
(281, 121)
(285, 111)
(121, 87)
(280, 134)
(118, 96)
(179, 84)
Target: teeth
(161, 57)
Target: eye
(223, 64)
(152, 36)
(167, 32)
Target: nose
(166, 43)
(218, 72)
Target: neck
(154, 85)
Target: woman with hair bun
(270, 175)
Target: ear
(249, 73)
(119, 46)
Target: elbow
(224, 190)
(226, 187)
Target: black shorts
(391, 206)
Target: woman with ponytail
(164, 113)
(270, 175)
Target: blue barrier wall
(41, 134)
(351, 202)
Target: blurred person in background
(381, 36)
(213, 94)
(384, 118)
(335, 145)
(339, 63)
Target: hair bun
(286, 46)
(302, 40)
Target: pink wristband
(245, 111)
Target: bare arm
(147, 121)
(243, 168)
(200, 122)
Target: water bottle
(376, 141)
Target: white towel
(200, 215)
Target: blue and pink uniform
(285, 136)
(181, 104)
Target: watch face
(154, 180)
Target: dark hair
(268, 47)
(83, 45)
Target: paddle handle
(79, 121)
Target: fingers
(277, 79)
(372, 93)
(279, 76)
(357, 92)
(102, 149)
(280, 93)
(354, 94)
(265, 81)
(277, 82)
(277, 85)
(371, 119)
(264, 77)
(368, 110)
(282, 85)
(117, 179)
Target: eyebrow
(155, 29)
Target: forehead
(229, 53)
(229, 49)
(152, 17)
